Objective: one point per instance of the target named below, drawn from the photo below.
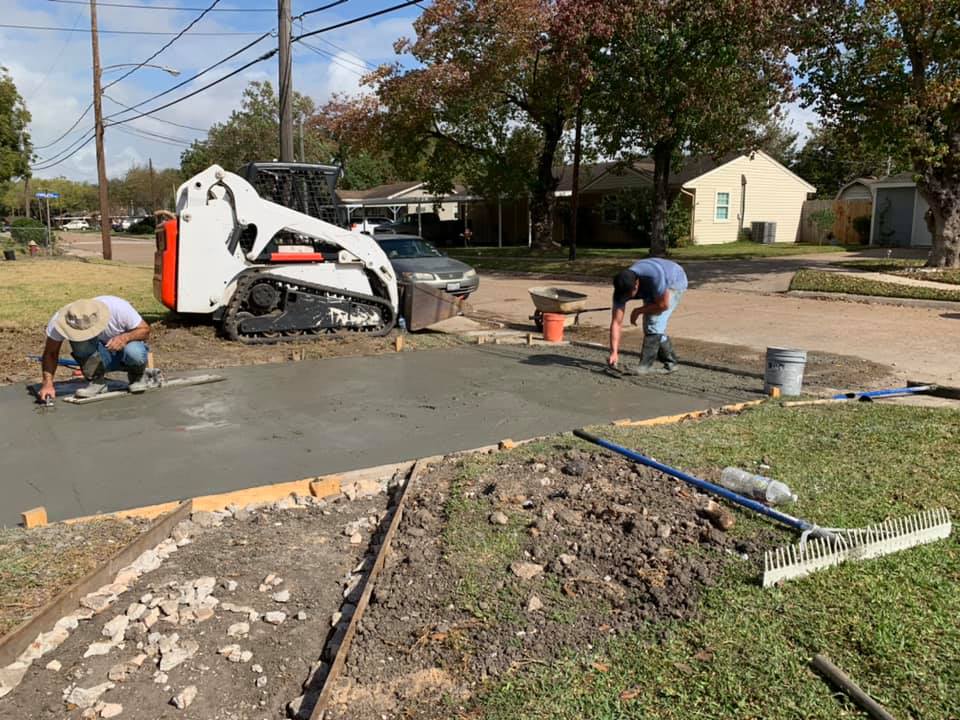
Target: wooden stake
(774, 392)
(150, 360)
(398, 343)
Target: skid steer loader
(267, 273)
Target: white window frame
(717, 205)
(609, 213)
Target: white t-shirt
(123, 318)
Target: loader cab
(305, 187)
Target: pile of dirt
(231, 623)
(505, 566)
(178, 346)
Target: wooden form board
(336, 667)
(18, 639)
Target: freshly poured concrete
(275, 423)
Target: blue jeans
(657, 324)
(133, 355)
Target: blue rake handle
(789, 520)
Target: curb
(875, 300)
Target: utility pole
(285, 24)
(303, 158)
(98, 120)
(153, 192)
(575, 186)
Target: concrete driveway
(276, 423)
(741, 302)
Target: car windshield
(408, 248)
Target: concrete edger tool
(819, 547)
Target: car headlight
(418, 276)
(470, 273)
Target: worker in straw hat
(106, 333)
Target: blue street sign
(49, 195)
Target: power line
(197, 75)
(336, 60)
(164, 7)
(143, 135)
(56, 59)
(66, 149)
(266, 56)
(302, 15)
(345, 23)
(120, 32)
(179, 35)
(168, 122)
(65, 158)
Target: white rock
(151, 617)
(206, 519)
(70, 622)
(498, 518)
(160, 678)
(54, 665)
(238, 629)
(257, 668)
(115, 627)
(204, 586)
(178, 655)
(127, 576)
(136, 610)
(110, 710)
(246, 656)
(99, 648)
(230, 585)
(335, 618)
(534, 604)
(11, 675)
(566, 559)
(301, 615)
(233, 653)
(85, 697)
(182, 699)
(282, 596)
(356, 539)
(148, 561)
(98, 601)
(274, 617)
(169, 607)
(526, 570)
(261, 681)
(146, 598)
(203, 613)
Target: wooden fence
(844, 212)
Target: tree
(252, 133)
(496, 86)
(685, 78)
(833, 156)
(15, 147)
(778, 140)
(888, 70)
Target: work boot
(666, 354)
(648, 353)
(95, 374)
(136, 380)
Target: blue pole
(704, 485)
(891, 392)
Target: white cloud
(799, 117)
(52, 72)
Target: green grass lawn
(602, 262)
(890, 623)
(951, 276)
(32, 289)
(835, 282)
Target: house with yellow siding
(743, 190)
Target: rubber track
(247, 279)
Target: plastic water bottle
(758, 487)
(402, 324)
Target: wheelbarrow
(558, 300)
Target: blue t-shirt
(656, 275)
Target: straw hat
(82, 319)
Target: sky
(52, 70)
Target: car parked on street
(77, 225)
(416, 261)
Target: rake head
(890, 536)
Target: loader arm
(269, 219)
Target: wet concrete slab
(274, 423)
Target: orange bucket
(553, 326)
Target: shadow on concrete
(552, 359)
(950, 316)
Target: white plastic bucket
(785, 370)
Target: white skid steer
(265, 272)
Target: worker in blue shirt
(659, 284)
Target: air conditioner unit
(763, 232)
